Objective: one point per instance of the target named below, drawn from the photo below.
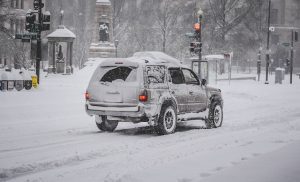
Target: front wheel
(167, 120)
(215, 116)
(106, 125)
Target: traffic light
(36, 4)
(46, 21)
(195, 47)
(296, 36)
(197, 27)
(30, 20)
(288, 62)
(192, 47)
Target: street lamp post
(259, 64)
(268, 45)
(116, 44)
(200, 15)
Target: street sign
(286, 44)
(18, 36)
(25, 40)
(190, 35)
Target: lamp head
(200, 12)
(116, 43)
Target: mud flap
(153, 120)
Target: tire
(107, 125)
(167, 120)
(215, 116)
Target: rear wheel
(106, 125)
(167, 120)
(215, 116)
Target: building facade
(285, 13)
(14, 53)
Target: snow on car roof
(119, 62)
(143, 58)
(156, 58)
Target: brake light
(87, 96)
(143, 97)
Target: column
(22, 4)
(18, 4)
(68, 67)
(71, 56)
(53, 57)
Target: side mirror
(203, 82)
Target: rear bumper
(132, 111)
(137, 113)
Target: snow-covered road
(47, 136)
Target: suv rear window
(119, 73)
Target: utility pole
(268, 45)
(292, 58)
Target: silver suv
(151, 87)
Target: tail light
(87, 96)
(143, 97)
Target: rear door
(178, 88)
(115, 84)
(196, 94)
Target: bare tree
(227, 14)
(166, 15)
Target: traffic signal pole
(268, 45)
(292, 58)
(39, 42)
(200, 47)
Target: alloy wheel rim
(169, 119)
(217, 115)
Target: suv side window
(176, 75)
(190, 77)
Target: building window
(274, 16)
(275, 39)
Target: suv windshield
(119, 73)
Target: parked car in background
(151, 87)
